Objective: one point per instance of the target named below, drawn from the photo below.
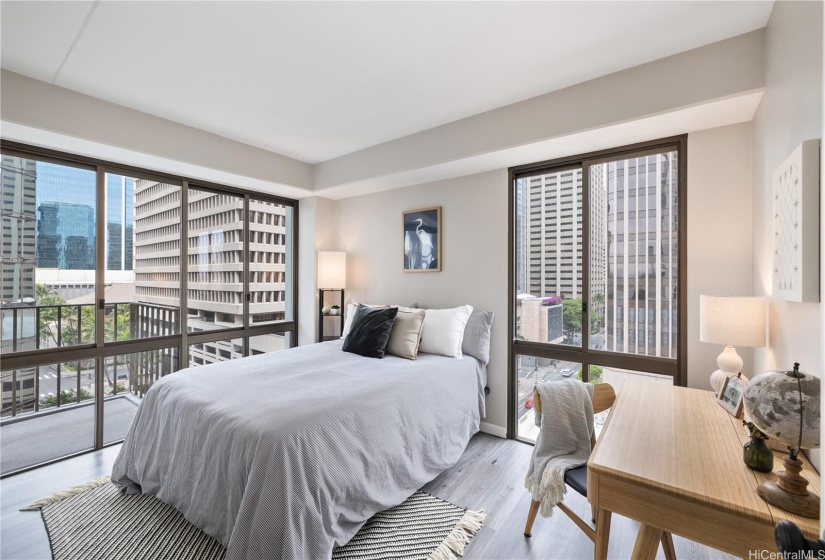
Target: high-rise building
(120, 199)
(641, 229)
(553, 234)
(18, 331)
(66, 236)
(215, 252)
(18, 209)
(633, 252)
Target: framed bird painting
(422, 240)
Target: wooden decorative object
(790, 492)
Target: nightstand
(330, 326)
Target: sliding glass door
(112, 278)
(596, 271)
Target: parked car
(528, 403)
(567, 373)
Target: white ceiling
(317, 80)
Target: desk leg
(667, 546)
(602, 534)
(647, 543)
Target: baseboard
(493, 430)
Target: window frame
(677, 368)
(101, 349)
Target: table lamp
(785, 405)
(332, 270)
(732, 321)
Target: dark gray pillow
(476, 341)
(370, 331)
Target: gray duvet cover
(286, 455)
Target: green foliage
(597, 311)
(67, 396)
(572, 309)
(595, 374)
(46, 296)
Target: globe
(772, 402)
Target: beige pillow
(406, 334)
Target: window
(601, 281)
(193, 274)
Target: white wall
(473, 257)
(822, 268)
(316, 232)
(790, 112)
(720, 255)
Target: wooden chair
(603, 398)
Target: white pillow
(443, 331)
(351, 307)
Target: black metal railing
(32, 327)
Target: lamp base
(717, 380)
(790, 492)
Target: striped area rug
(94, 520)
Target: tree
(47, 300)
(67, 396)
(595, 374)
(598, 308)
(572, 309)
(70, 336)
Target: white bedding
(286, 455)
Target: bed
(287, 455)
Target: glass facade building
(66, 218)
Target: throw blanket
(563, 442)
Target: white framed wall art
(796, 225)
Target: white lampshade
(332, 270)
(732, 321)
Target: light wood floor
(489, 476)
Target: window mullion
(100, 297)
(247, 295)
(184, 276)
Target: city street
(526, 380)
(48, 379)
(555, 371)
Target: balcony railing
(30, 327)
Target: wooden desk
(671, 458)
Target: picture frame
(423, 241)
(730, 397)
(796, 225)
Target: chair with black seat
(603, 398)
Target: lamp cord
(799, 386)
